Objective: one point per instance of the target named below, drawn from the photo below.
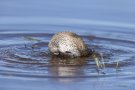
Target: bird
(68, 44)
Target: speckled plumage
(68, 44)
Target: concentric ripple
(26, 55)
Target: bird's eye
(56, 53)
(68, 52)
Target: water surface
(26, 27)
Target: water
(106, 26)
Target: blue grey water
(107, 26)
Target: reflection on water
(67, 68)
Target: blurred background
(65, 12)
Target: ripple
(60, 21)
(19, 59)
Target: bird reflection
(65, 68)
